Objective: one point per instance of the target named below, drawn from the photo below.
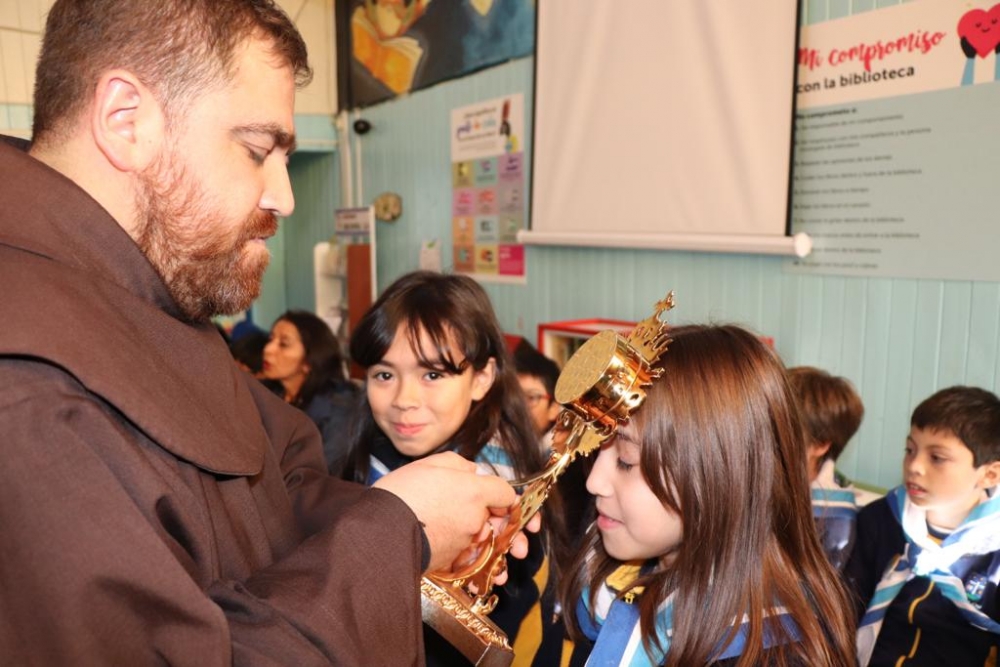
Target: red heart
(981, 29)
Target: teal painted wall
(897, 340)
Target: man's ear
(483, 379)
(991, 474)
(126, 121)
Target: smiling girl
(704, 551)
(439, 377)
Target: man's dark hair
(177, 48)
(971, 414)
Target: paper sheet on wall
(430, 256)
(896, 154)
(489, 196)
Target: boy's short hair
(528, 360)
(831, 409)
(971, 414)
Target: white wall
(22, 22)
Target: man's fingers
(497, 493)
(519, 546)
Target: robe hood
(117, 329)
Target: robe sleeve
(107, 555)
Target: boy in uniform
(927, 560)
(537, 375)
(831, 412)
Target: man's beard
(200, 258)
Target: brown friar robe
(156, 505)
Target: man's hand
(453, 502)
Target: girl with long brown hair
(704, 551)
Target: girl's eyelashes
(623, 466)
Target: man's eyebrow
(282, 138)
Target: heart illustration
(981, 29)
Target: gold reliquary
(599, 387)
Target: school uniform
(926, 597)
(519, 595)
(615, 637)
(835, 505)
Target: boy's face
(940, 476)
(542, 408)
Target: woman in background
(439, 377)
(304, 356)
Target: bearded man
(157, 505)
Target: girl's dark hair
(322, 354)
(721, 429)
(449, 308)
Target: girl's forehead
(628, 433)
(286, 329)
(423, 345)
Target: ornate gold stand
(602, 383)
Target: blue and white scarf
(613, 625)
(829, 499)
(924, 557)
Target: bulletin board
(896, 149)
(489, 201)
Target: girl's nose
(597, 480)
(407, 395)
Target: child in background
(927, 560)
(704, 550)
(832, 412)
(537, 375)
(439, 377)
(304, 357)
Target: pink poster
(489, 204)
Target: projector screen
(663, 119)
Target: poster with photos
(489, 196)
